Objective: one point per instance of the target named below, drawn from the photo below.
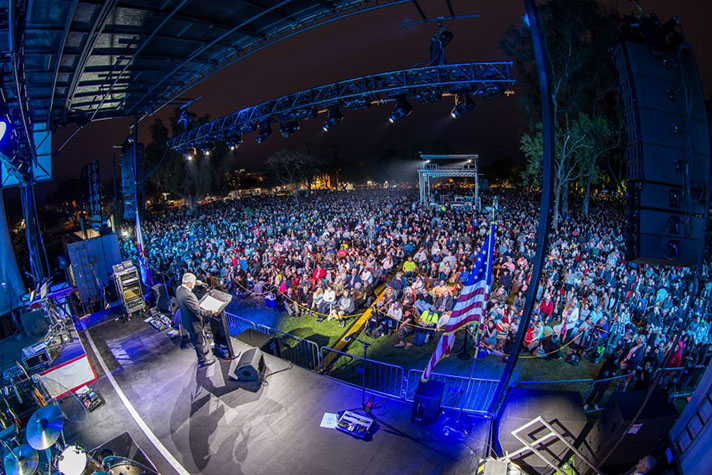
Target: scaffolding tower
(459, 166)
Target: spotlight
(207, 148)
(189, 156)
(265, 130)
(248, 128)
(333, 118)
(402, 109)
(3, 129)
(233, 141)
(288, 128)
(463, 105)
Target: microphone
(201, 283)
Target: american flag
(142, 261)
(470, 305)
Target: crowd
(327, 255)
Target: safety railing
(382, 378)
(601, 389)
(473, 395)
(237, 325)
(299, 351)
(580, 385)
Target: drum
(72, 460)
(114, 465)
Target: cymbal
(44, 427)
(23, 460)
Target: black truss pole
(542, 245)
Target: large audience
(334, 254)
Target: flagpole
(490, 248)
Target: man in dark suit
(192, 317)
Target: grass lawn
(327, 333)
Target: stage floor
(212, 425)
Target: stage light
(288, 128)
(333, 118)
(265, 130)
(402, 110)
(248, 128)
(463, 105)
(233, 141)
(3, 129)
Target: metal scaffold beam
(427, 84)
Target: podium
(217, 300)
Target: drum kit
(44, 433)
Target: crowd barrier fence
(471, 395)
(381, 378)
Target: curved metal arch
(426, 84)
(329, 12)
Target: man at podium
(192, 315)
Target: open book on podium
(216, 301)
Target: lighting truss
(475, 78)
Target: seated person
(345, 306)
(404, 330)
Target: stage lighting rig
(402, 110)
(428, 95)
(463, 105)
(288, 127)
(233, 141)
(333, 118)
(248, 128)
(207, 148)
(265, 130)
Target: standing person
(192, 317)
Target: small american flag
(470, 306)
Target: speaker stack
(644, 437)
(668, 148)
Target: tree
(579, 34)
(292, 167)
(190, 178)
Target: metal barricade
(237, 325)
(596, 397)
(299, 351)
(580, 385)
(381, 378)
(473, 396)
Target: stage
(197, 420)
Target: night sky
(365, 44)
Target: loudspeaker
(34, 322)
(131, 185)
(426, 402)
(645, 436)
(260, 340)
(668, 146)
(251, 366)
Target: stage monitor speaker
(562, 409)
(257, 339)
(34, 322)
(668, 147)
(426, 402)
(646, 435)
(251, 366)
